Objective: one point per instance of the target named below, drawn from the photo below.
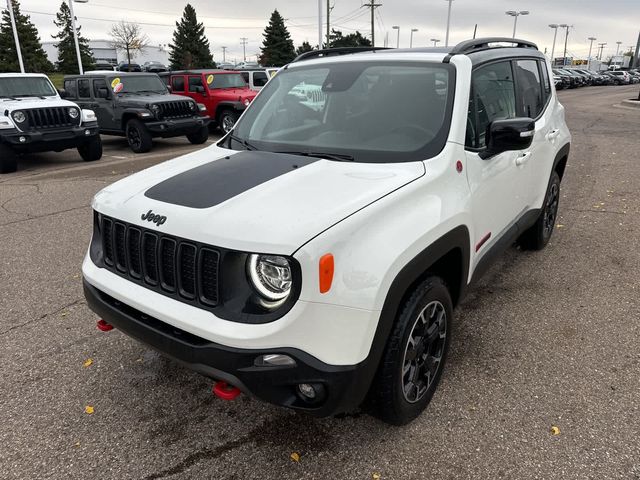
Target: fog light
(22, 139)
(307, 390)
(87, 132)
(274, 360)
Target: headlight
(5, 123)
(246, 102)
(193, 106)
(202, 107)
(19, 116)
(155, 109)
(73, 113)
(270, 275)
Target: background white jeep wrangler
(314, 256)
(33, 118)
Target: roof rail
(329, 52)
(479, 44)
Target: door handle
(522, 159)
(553, 134)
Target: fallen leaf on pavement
(295, 457)
(555, 430)
(376, 476)
(88, 409)
(87, 362)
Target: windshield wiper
(149, 91)
(329, 156)
(242, 142)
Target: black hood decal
(215, 182)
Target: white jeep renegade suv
(314, 256)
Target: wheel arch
(560, 162)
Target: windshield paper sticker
(209, 79)
(116, 85)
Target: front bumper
(176, 127)
(46, 141)
(341, 388)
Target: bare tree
(129, 38)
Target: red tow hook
(225, 391)
(104, 326)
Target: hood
(23, 103)
(234, 93)
(251, 201)
(143, 99)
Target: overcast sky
(227, 21)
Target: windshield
(137, 84)
(225, 80)
(26, 87)
(387, 112)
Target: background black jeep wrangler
(137, 105)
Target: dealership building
(104, 52)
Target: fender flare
(562, 153)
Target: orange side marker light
(326, 272)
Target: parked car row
(579, 77)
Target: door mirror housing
(509, 134)
(198, 89)
(103, 92)
(63, 93)
(169, 89)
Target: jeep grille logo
(152, 217)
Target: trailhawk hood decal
(251, 201)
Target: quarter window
(97, 85)
(70, 88)
(546, 84)
(260, 79)
(529, 88)
(84, 90)
(492, 97)
(177, 84)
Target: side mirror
(63, 94)
(198, 89)
(169, 89)
(103, 92)
(509, 134)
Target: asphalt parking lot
(547, 339)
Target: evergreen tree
(352, 40)
(305, 47)
(33, 56)
(67, 58)
(277, 46)
(190, 47)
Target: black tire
(392, 397)
(199, 137)
(539, 234)
(227, 119)
(8, 160)
(92, 150)
(138, 137)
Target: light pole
(590, 46)
(566, 37)
(446, 42)
(555, 34)
(618, 48)
(397, 27)
(75, 33)
(15, 35)
(411, 37)
(435, 41)
(515, 15)
(319, 24)
(224, 54)
(601, 48)
(244, 41)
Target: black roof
(102, 73)
(195, 71)
(479, 50)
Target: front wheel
(199, 137)
(415, 354)
(92, 150)
(539, 234)
(227, 119)
(138, 137)
(8, 160)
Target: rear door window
(97, 85)
(84, 90)
(260, 79)
(195, 82)
(177, 84)
(530, 101)
(70, 88)
(492, 97)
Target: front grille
(175, 109)
(50, 117)
(166, 264)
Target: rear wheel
(200, 136)
(138, 137)
(92, 150)
(227, 119)
(8, 160)
(415, 354)
(539, 234)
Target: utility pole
(328, 24)
(224, 54)
(636, 62)
(15, 35)
(618, 47)
(373, 7)
(243, 42)
(601, 47)
(590, 46)
(475, 30)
